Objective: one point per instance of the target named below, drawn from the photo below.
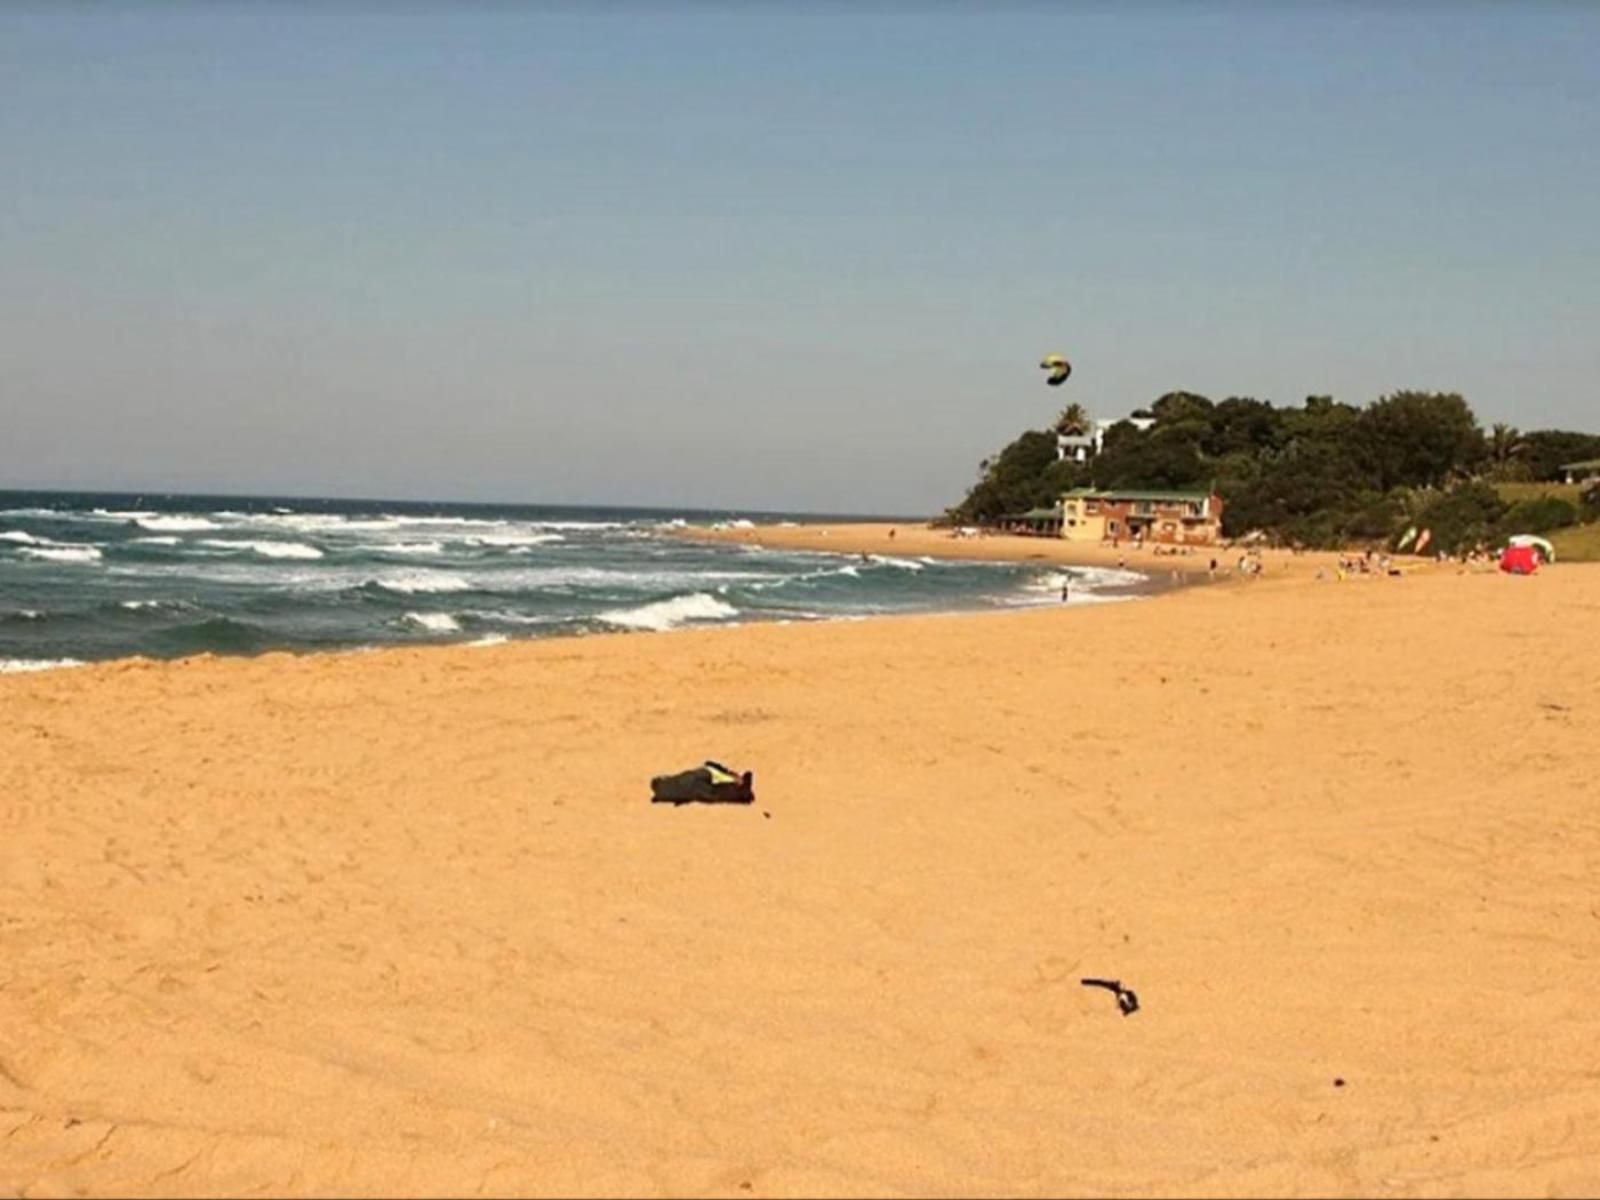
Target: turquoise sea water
(86, 577)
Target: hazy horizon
(762, 258)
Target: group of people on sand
(1367, 563)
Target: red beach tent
(1519, 560)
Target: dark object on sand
(1126, 1000)
(710, 784)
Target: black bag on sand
(710, 784)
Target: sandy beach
(406, 923)
(908, 538)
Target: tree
(1463, 517)
(1320, 474)
(1420, 439)
(1506, 451)
(1156, 459)
(1547, 449)
(1013, 480)
(1074, 420)
(1243, 425)
(1178, 407)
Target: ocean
(86, 577)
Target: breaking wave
(175, 524)
(434, 622)
(423, 581)
(669, 614)
(266, 549)
(63, 553)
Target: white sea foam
(403, 547)
(434, 622)
(17, 535)
(1087, 586)
(490, 639)
(146, 605)
(266, 549)
(122, 514)
(738, 523)
(669, 614)
(175, 524)
(506, 617)
(321, 523)
(28, 614)
(64, 553)
(424, 581)
(905, 564)
(514, 539)
(17, 666)
(158, 541)
(395, 519)
(1105, 577)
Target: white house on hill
(1080, 445)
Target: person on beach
(1066, 589)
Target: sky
(764, 256)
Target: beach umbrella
(1058, 367)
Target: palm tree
(1505, 448)
(1074, 420)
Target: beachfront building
(1036, 522)
(1587, 471)
(1173, 518)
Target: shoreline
(1152, 585)
(873, 537)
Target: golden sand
(406, 923)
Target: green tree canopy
(1420, 439)
(1322, 473)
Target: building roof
(1135, 494)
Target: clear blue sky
(764, 255)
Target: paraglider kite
(1058, 367)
